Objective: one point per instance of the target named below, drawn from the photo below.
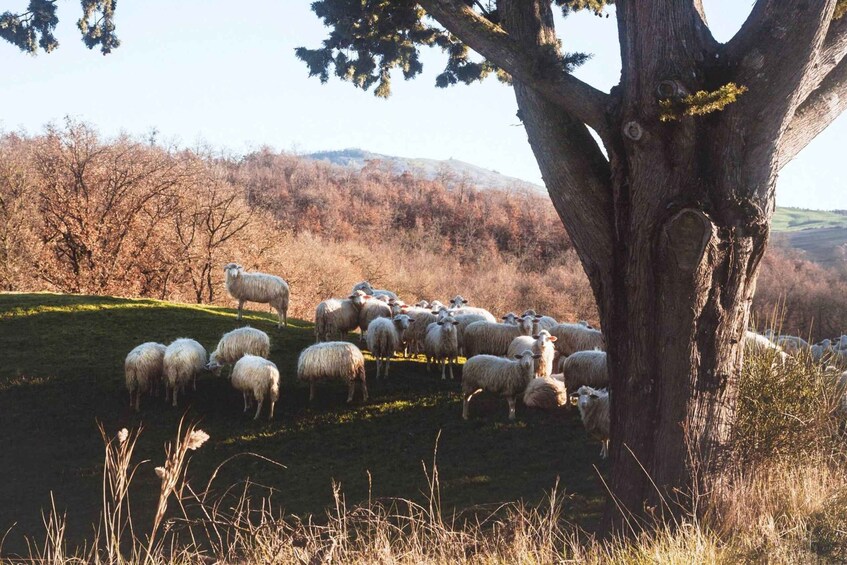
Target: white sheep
(371, 310)
(257, 379)
(143, 369)
(464, 321)
(540, 322)
(416, 334)
(594, 410)
(258, 287)
(236, 344)
(585, 368)
(441, 344)
(422, 304)
(791, 344)
(761, 345)
(333, 360)
(493, 339)
(184, 359)
(335, 317)
(366, 287)
(504, 377)
(547, 393)
(576, 337)
(384, 338)
(541, 343)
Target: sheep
(422, 304)
(821, 350)
(585, 368)
(143, 371)
(791, 344)
(237, 343)
(593, 407)
(493, 339)
(416, 333)
(761, 345)
(436, 305)
(841, 392)
(184, 359)
(258, 287)
(457, 302)
(542, 343)
(441, 344)
(576, 337)
(367, 288)
(371, 310)
(546, 393)
(498, 375)
(464, 321)
(384, 337)
(540, 322)
(257, 379)
(335, 317)
(333, 360)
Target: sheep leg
(467, 402)
(350, 390)
(167, 393)
(311, 391)
(511, 400)
(175, 391)
(387, 364)
(604, 451)
(281, 316)
(194, 382)
(444, 362)
(364, 391)
(244, 394)
(258, 408)
(452, 378)
(240, 307)
(138, 401)
(131, 393)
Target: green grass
(62, 372)
(795, 219)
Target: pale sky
(224, 74)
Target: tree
(670, 224)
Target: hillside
(62, 373)
(430, 169)
(821, 236)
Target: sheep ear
(411, 320)
(553, 338)
(441, 323)
(592, 395)
(538, 316)
(518, 356)
(464, 301)
(455, 323)
(535, 337)
(536, 356)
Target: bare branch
(579, 99)
(813, 116)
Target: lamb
(366, 287)
(594, 410)
(333, 360)
(258, 287)
(547, 393)
(576, 337)
(542, 343)
(493, 339)
(441, 343)
(335, 317)
(143, 371)
(384, 337)
(585, 368)
(371, 310)
(498, 375)
(237, 343)
(257, 379)
(184, 359)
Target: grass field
(795, 219)
(62, 372)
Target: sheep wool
(335, 317)
(143, 371)
(184, 359)
(366, 287)
(593, 407)
(585, 368)
(441, 344)
(577, 337)
(504, 377)
(492, 338)
(541, 343)
(258, 380)
(332, 360)
(546, 393)
(258, 287)
(238, 343)
(383, 340)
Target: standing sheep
(498, 375)
(335, 317)
(540, 322)
(416, 333)
(257, 379)
(577, 337)
(143, 369)
(541, 343)
(333, 360)
(585, 368)
(493, 339)
(384, 338)
(366, 287)
(258, 287)
(441, 344)
(184, 359)
(236, 344)
(594, 410)
(371, 310)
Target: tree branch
(577, 98)
(831, 53)
(819, 110)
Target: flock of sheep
(530, 356)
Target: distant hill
(820, 235)
(428, 168)
(795, 219)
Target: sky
(224, 74)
